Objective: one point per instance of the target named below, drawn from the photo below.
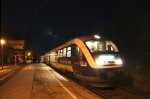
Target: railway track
(118, 93)
(109, 93)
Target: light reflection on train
(91, 58)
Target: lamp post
(2, 43)
(28, 56)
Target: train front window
(99, 46)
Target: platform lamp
(2, 41)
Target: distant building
(17, 43)
(16, 55)
(13, 52)
(28, 56)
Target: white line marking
(70, 93)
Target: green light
(50, 33)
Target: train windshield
(101, 46)
(104, 52)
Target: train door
(74, 54)
(78, 57)
(79, 61)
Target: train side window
(52, 56)
(58, 53)
(64, 52)
(61, 53)
(69, 52)
(109, 47)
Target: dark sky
(52, 22)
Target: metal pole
(2, 56)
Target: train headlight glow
(106, 57)
(107, 60)
(118, 61)
(99, 62)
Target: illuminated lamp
(97, 36)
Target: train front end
(108, 63)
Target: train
(91, 58)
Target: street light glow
(2, 42)
(29, 54)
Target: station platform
(39, 81)
(6, 69)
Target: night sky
(53, 22)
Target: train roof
(81, 38)
(90, 37)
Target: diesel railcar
(91, 58)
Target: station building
(13, 52)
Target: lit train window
(95, 46)
(61, 50)
(64, 52)
(109, 47)
(69, 48)
(69, 52)
(112, 45)
(53, 56)
(58, 53)
(61, 53)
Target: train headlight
(108, 59)
(118, 61)
(99, 62)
